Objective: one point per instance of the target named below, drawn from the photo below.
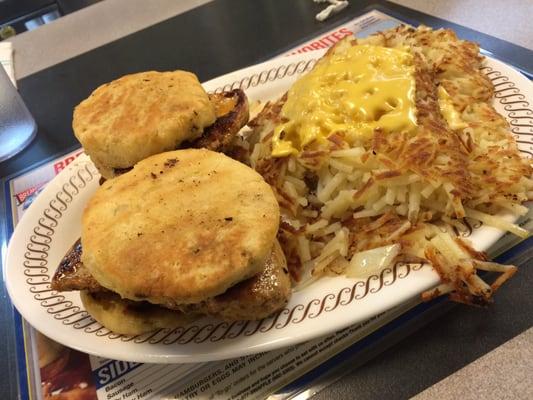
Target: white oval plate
(52, 224)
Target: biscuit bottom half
(131, 317)
(253, 299)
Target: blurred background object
(17, 126)
(17, 16)
(7, 31)
(65, 373)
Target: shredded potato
(350, 195)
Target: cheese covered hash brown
(413, 187)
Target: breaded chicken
(255, 298)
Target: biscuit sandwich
(142, 114)
(184, 234)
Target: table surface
(464, 352)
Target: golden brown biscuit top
(180, 227)
(141, 114)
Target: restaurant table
(450, 351)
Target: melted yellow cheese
(448, 111)
(351, 92)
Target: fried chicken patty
(254, 298)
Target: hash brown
(346, 195)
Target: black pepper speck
(171, 162)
